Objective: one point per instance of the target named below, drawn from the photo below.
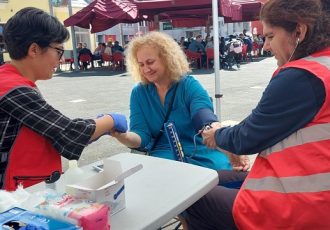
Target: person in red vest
(33, 134)
(288, 186)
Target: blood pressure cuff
(203, 117)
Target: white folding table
(158, 192)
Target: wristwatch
(207, 126)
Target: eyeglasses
(59, 51)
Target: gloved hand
(119, 122)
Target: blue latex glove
(120, 122)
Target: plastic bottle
(73, 174)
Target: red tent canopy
(188, 13)
(103, 14)
(201, 7)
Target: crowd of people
(100, 54)
(233, 49)
(291, 135)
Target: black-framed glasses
(59, 51)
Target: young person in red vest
(288, 186)
(33, 134)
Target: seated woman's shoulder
(188, 78)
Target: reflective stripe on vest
(302, 136)
(312, 183)
(325, 61)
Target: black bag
(153, 144)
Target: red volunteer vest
(289, 184)
(32, 157)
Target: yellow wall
(7, 10)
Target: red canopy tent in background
(189, 13)
(104, 14)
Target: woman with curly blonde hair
(160, 66)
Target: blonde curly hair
(170, 53)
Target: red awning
(103, 14)
(231, 10)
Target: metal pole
(121, 41)
(50, 7)
(138, 27)
(74, 40)
(215, 18)
(156, 22)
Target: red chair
(255, 49)
(67, 58)
(107, 58)
(209, 56)
(244, 53)
(85, 59)
(118, 61)
(194, 57)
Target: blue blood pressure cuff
(202, 118)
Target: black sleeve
(68, 136)
(290, 101)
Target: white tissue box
(105, 187)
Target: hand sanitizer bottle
(73, 174)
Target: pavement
(85, 94)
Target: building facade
(121, 32)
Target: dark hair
(287, 14)
(32, 25)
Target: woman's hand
(239, 162)
(130, 139)
(208, 135)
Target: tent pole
(156, 21)
(50, 7)
(215, 18)
(74, 40)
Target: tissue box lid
(105, 179)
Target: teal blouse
(148, 114)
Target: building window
(4, 1)
(83, 35)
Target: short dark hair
(314, 13)
(32, 25)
